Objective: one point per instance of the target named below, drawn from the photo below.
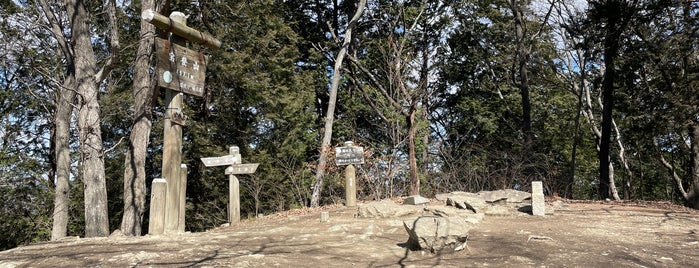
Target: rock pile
(444, 228)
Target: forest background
(597, 99)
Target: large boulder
(437, 234)
(449, 211)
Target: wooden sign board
(349, 155)
(242, 169)
(179, 68)
(225, 160)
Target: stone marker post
(538, 204)
(350, 186)
(157, 206)
(350, 155)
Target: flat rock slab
(468, 201)
(508, 195)
(386, 209)
(415, 200)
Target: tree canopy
(596, 99)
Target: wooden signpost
(179, 68)
(180, 71)
(350, 155)
(233, 161)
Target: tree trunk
(135, 162)
(93, 174)
(330, 115)
(693, 194)
(523, 85)
(64, 110)
(611, 44)
(412, 156)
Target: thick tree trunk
(64, 110)
(523, 85)
(611, 44)
(330, 115)
(693, 194)
(93, 174)
(135, 162)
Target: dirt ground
(578, 234)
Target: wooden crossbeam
(180, 29)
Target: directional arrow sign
(225, 160)
(242, 169)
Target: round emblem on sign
(167, 77)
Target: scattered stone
(539, 238)
(437, 234)
(338, 227)
(324, 216)
(664, 260)
(415, 200)
(559, 204)
(468, 201)
(116, 233)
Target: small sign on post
(350, 155)
(233, 161)
(225, 160)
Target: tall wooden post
(234, 203)
(172, 147)
(182, 70)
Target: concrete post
(234, 199)
(157, 207)
(538, 203)
(350, 186)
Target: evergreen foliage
(454, 67)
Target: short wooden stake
(182, 197)
(157, 207)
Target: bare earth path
(577, 235)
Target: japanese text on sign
(180, 69)
(349, 155)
